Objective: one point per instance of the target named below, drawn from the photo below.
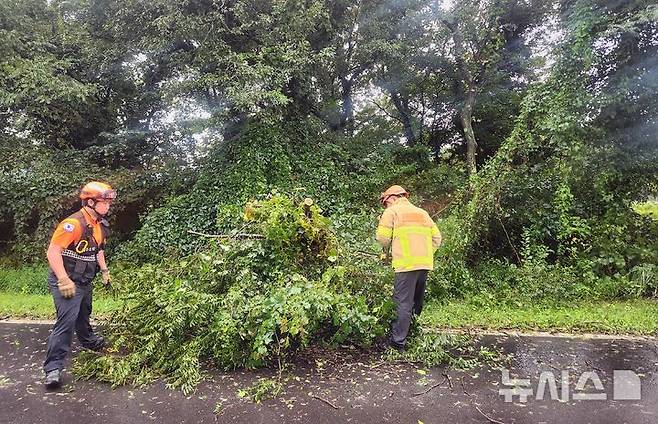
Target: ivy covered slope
(244, 301)
(343, 174)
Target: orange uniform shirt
(70, 231)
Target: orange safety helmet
(96, 190)
(394, 190)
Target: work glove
(105, 275)
(66, 287)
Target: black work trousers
(72, 315)
(408, 294)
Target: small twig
(488, 417)
(229, 236)
(464, 388)
(278, 355)
(434, 386)
(367, 253)
(387, 113)
(550, 365)
(239, 231)
(212, 27)
(589, 364)
(441, 210)
(449, 380)
(325, 401)
(518, 258)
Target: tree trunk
(405, 116)
(468, 88)
(466, 116)
(347, 109)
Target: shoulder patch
(68, 227)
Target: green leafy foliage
(264, 388)
(454, 350)
(40, 186)
(331, 101)
(343, 174)
(240, 302)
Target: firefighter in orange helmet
(412, 237)
(76, 253)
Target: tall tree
(480, 32)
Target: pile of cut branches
(242, 302)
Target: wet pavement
(583, 381)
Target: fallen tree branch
(491, 420)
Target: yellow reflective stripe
(412, 261)
(412, 229)
(435, 231)
(384, 232)
(401, 234)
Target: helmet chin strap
(93, 208)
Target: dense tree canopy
(534, 122)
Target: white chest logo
(68, 227)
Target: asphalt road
(339, 387)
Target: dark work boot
(98, 345)
(53, 379)
(397, 346)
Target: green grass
(40, 306)
(647, 208)
(24, 294)
(638, 317)
(26, 280)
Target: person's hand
(384, 257)
(66, 287)
(105, 275)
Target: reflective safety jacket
(412, 235)
(81, 238)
